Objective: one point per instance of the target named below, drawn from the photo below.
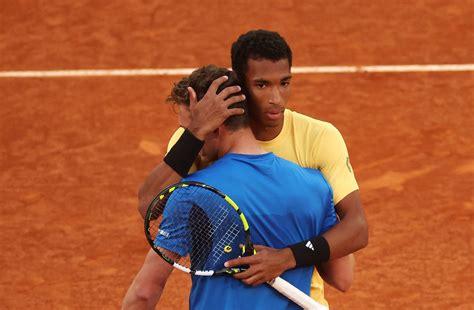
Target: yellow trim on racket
(241, 215)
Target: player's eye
(260, 85)
(285, 83)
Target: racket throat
(248, 249)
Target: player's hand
(212, 110)
(264, 266)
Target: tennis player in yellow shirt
(262, 60)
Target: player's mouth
(274, 114)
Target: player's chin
(272, 123)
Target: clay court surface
(74, 150)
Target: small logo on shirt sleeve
(348, 164)
(163, 233)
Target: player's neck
(266, 133)
(241, 141)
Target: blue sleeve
(173, 231)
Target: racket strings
(197, 225)
(228, 238)
(213, 228)
(202, 232)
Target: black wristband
(311, 252)
(182, 155)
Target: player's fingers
(259, 247)
(228, 102)
(226, 92)
(192, 96)
(244, 274)
(234, 111)
(215, 84)
(239, 261)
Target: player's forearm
(351, 233)
(143, 295)
(175, 166)
(348, 236)
(149, 283)
(339, 273)
(141, 303)
(141, 298)
(160, 177)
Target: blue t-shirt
(284, 204)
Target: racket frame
(247, 249)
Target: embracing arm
(336, 243)
(351, 233)
(332, 251)
(160, 177)
(344, 238)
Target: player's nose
(275, 96)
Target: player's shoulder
(307, 122)
(313, 129)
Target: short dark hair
(258, 44)
(200, 80)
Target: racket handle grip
(295, 295)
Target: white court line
(186, 71)
(388, 68)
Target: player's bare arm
(351, 233)
(339, 272)
(206, 115)
(160, 177)
(147, 287)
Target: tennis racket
(196, 228)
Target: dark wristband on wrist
(182, 155)
(311, 252)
